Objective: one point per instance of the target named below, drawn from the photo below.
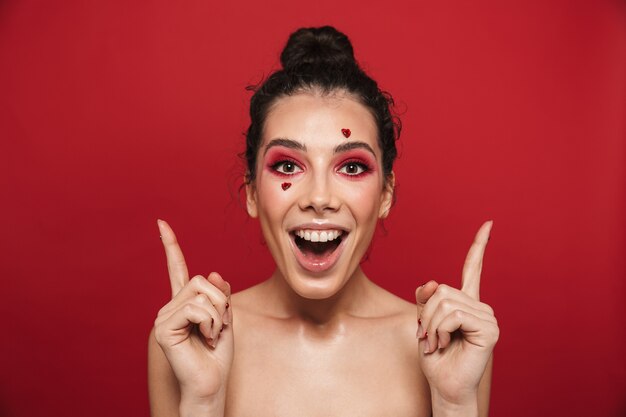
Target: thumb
(217, 280)
(424, 292)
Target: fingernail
(426, 346)
(160, 237)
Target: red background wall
(115, 113)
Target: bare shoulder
(403, 329)
(250, 306)
(249, 300)
(391, 301)
(401, 314)
(399, 322)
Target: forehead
(316, 120)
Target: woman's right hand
(194, 328)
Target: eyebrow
(348, 146)
(294, 144)
(287, 143)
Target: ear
(386, 196)
(251, 199)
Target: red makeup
(346, 132)
(283, 164)
(353, 165)
(359, 161)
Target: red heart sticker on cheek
(346, 132)
(285, 185)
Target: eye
(353, 168)
(286, 167)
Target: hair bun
(317, 46)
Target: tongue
(316, 250)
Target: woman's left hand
(457, 332)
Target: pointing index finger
(474, 262)
(176, 266)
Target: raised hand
(457, 332)
(194, 328)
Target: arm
(163, 389)
(480, 409)
(484, 389)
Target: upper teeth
(318, 235)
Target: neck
(321, 312)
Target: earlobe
(251, 200)
(387, 196)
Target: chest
(352, 375)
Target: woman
(318, 338)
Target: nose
(319, 194)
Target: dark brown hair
(321, 58)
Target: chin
(316, 287)
(316, 263)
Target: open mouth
(317, 243)
(316, 250)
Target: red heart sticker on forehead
(346, 132)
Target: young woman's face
(319, 194)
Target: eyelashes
(354, 168)
(286, 167)
(351, 168)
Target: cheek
(363, 197)
(273, 194)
